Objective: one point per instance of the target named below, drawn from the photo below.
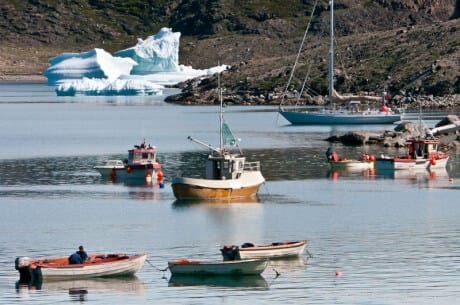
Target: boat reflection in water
(186, 203)
(79, 289)
(255, 281)
(293, 264)
(350, 172)
(415, 174)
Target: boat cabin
(142, 154)
(423, 148)
(226, 166)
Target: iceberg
(140, 70)
(95, 63)
(157, 53)
(88, 86)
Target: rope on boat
(159, 269)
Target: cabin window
(145, 155)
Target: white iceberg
(140, 70)
(96, 63)
(92, 86)
(157, 53)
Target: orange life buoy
(433, 162)
(160, 176)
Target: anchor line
(159, 269)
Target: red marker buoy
(338, 273)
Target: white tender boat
(227, 175)
(236, 267)
(274, 250)
(59, 268)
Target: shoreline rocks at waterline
(397, 137)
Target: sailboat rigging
(351, 114)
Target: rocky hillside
(399, 45)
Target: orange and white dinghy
(59, 268)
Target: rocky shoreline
(397, 137)
(203, 91)
(193, 94)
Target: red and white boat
(59, 268)
(142, 164)
(422, 153)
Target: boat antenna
(331, 52)
(221, 115)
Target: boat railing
(252, 166)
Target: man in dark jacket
(78, 257)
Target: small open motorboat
(236, 267)
(58, 268)
(274, 250)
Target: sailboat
(226, 176)
(352, 113)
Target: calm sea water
(395, 239)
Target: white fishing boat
(356, 109)
(227, 175)
(235, 267)
(59, 268)
(142, 164)
(273, 250)
(422, 153)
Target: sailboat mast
(331, 52)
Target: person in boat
(82, 253)
(329, 154)
(78, 257)
(332, 155)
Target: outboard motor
(27, 275)
(22, 264)
(230, 253)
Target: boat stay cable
(298, 53)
